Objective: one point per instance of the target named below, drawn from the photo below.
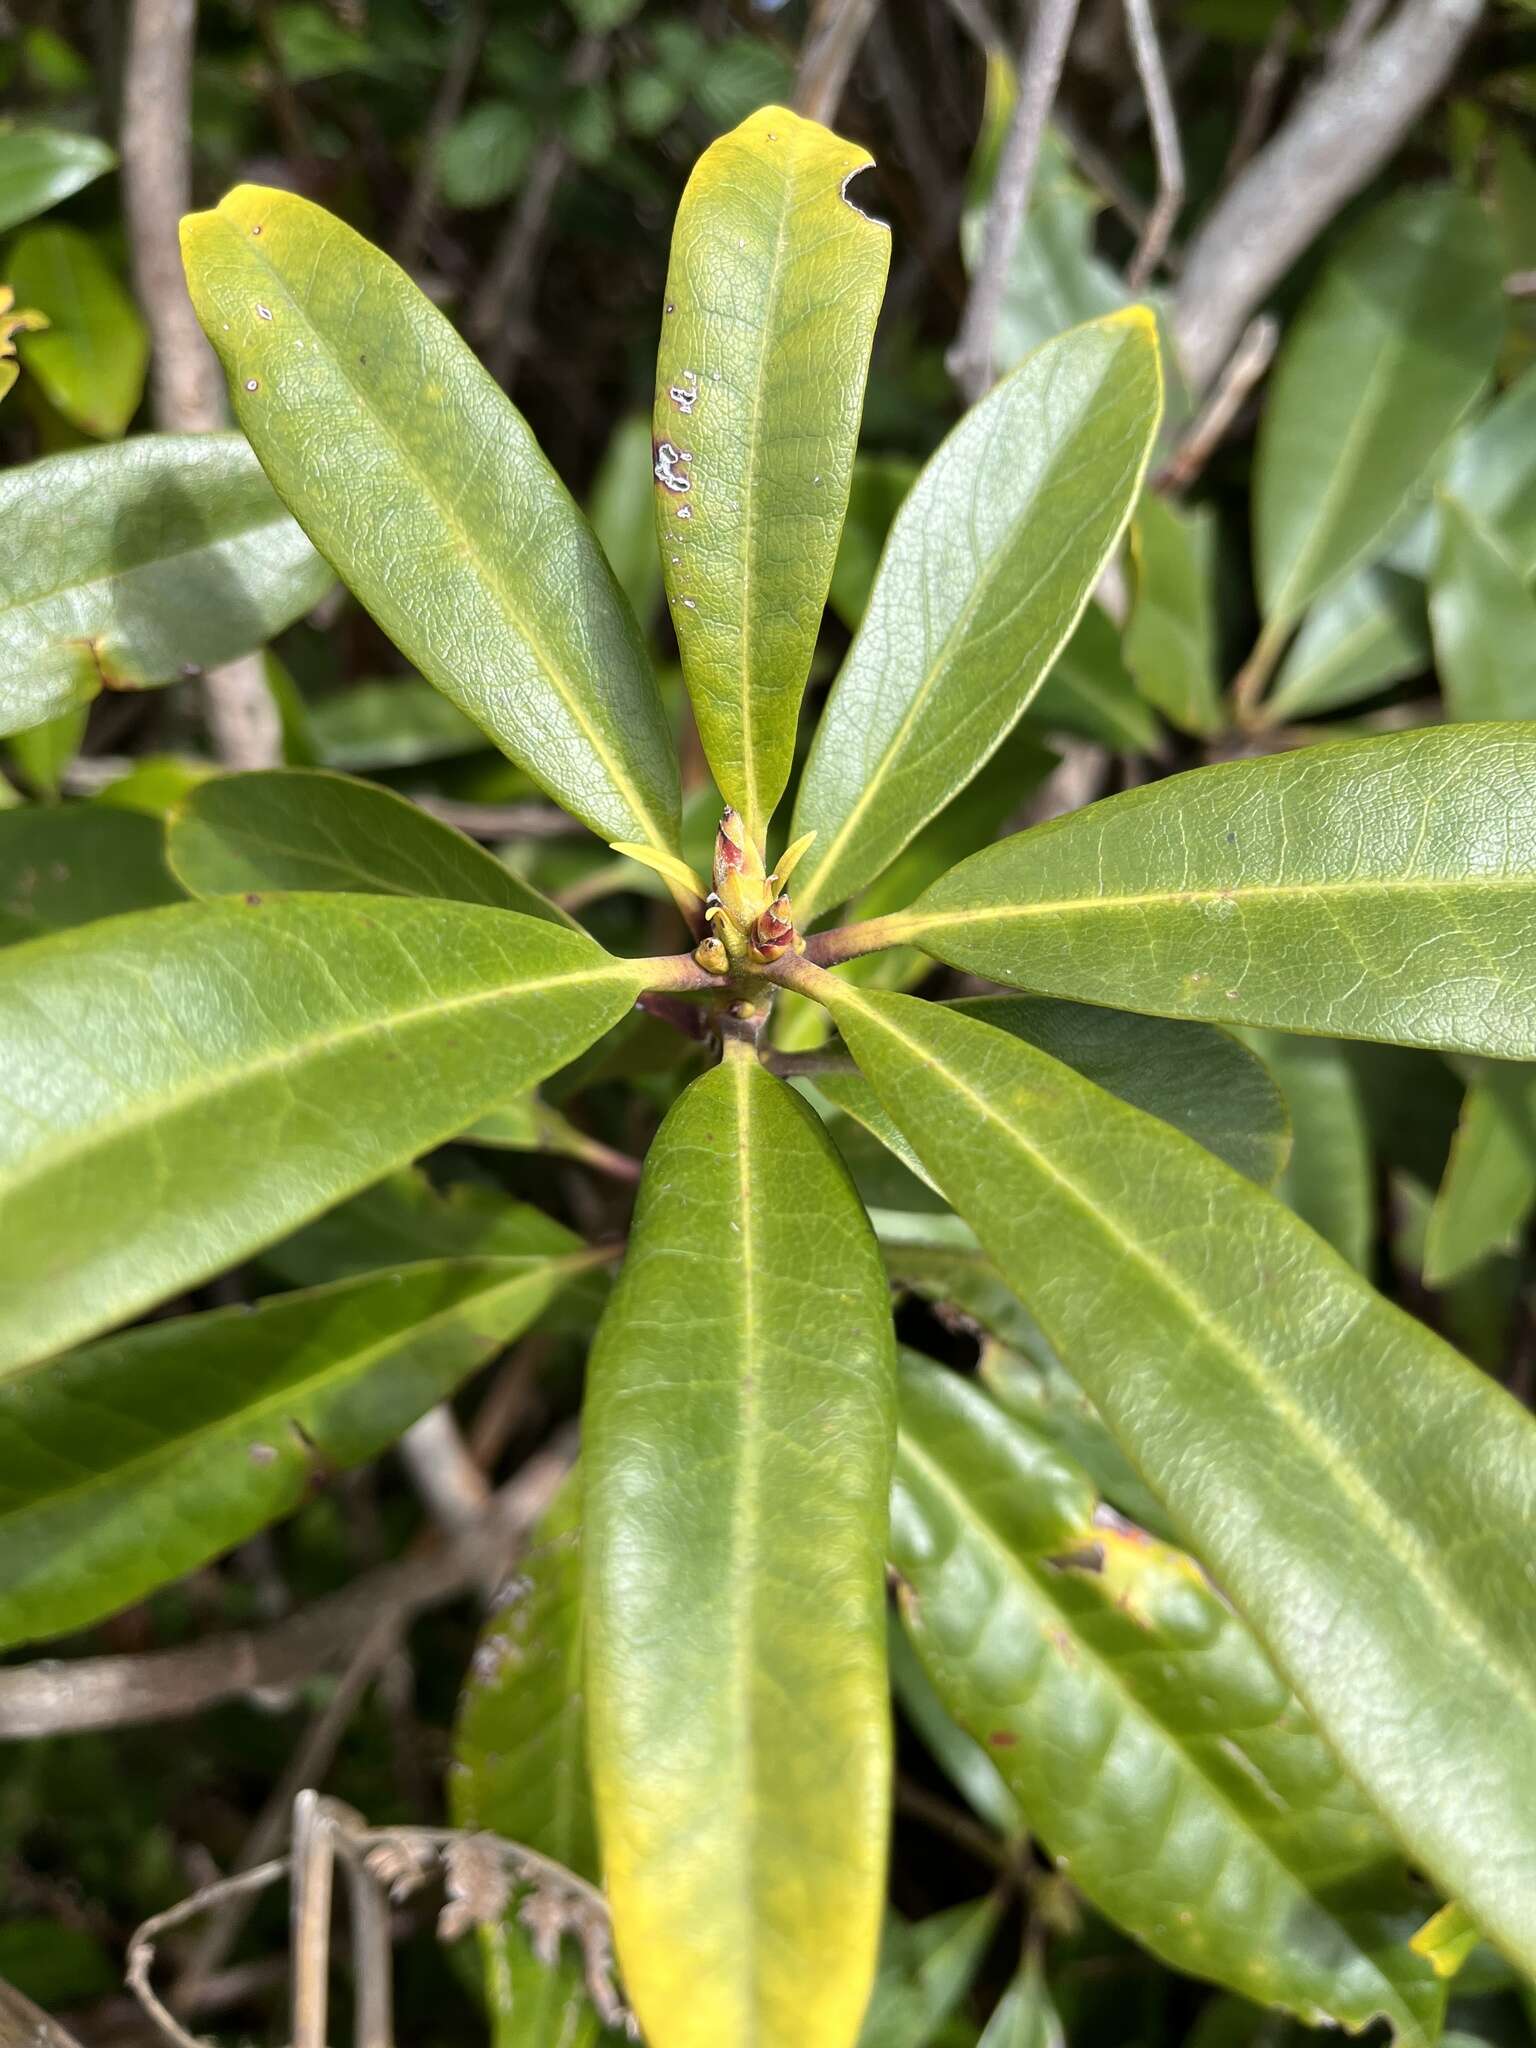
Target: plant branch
(188, 388)
(60, 1696)
(1147, 55)
(1341, 133)
(832, 42)
(849, 941)
(1210, 426)
(970, 360)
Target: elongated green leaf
(124, 1465)
(622, 516)
(1359, 1489)
(303, 829)
(41, 166)
(964, 1762)
(41, 754)
(66, 867)
(520, 1769)
(1159, 1756)
(1484, 621)
(772, 295)
(1389, 351)
(1090, 692)
(1025, 2016)
(736, 1639)
(180, 1087)
(1490, 1180)
(1170, 643)
(880, 482)
(1329, 1178)
(1381, 888)
(131, 565)
(91, 358)
(405, 1217)
(1196, 1078)
(977, 592)
(392, 723)
(472, 557)
(1366, 633)
(926, 1969)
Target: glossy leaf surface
(1360, 637)
(41, 166)
(1170, 642)
(1390, 349)
(1159, 1756)
(773, 292)
(736, 1638)
(986, 572)
(303, 829)
(128, 1464)
(520, 1769)
(183, 1086)
(66, 867)
(91, 358)
(1194, 1077)
(1359, 1489)
(356, 393)
(130, 565)
(1483, 619)
(405, 1217)
(1381, 888)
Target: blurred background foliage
(524, 162)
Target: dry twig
(452, 89)
(188, 388)
(1210, 426)
(970, 359)
(1147, 54)
(833, 39)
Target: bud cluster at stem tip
(749, 913)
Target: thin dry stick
(1209, 428)
(188, 388)
(833, 40)
(453, 88)
(307, 1766)
(443, 1471)
(1340, 134)
(57, 1696)
(970, 358)
(24, 2025)
(309, 1919)
(1263, 89)
(1359, 22)
(1147, 55)
(141, 1948)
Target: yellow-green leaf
(91, 358)
(772, 295)
(354, 390)
(738, 1436)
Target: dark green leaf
(91, 358)
(1484, 622)
(67, 867)
(1329, 1179)
(304, 829)
(184, 1086)
(41, 166)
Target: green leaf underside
(126, 566)
(986, 571)
(355, 391)
(1490, 1180)
(91, 358)
(41, 166)
(1329, 1179)
(742, 1377)
(1483, 618)
(1160, 1759)
(181, 1087)
(1381, 888)
(1360, 637)
(1170, 643)
(305, 829)
(70, 866)
(520, 1769)
(1361, 1490)
(1385, 357)
(127, 1464)
(1194, 1077)
(773, 292)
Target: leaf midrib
(111, 1131)
(1420, 1562)
(466, 540)
(969, 1512)
(296, 1392)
